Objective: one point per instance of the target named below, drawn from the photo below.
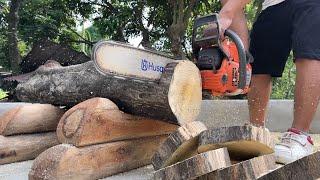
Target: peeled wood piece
(99, 120)
(175, 97)
(25, 147)
(180, 145)
(196, 166)
(30, 118)
(249, 169)
(94, 162)
(243, 142)
(305, 168)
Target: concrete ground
(19, 171)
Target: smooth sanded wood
(175, 97)
(196, 166)
(249, 169)
(25, 147)
(180, 145)
(30, 118)
(307, 168)
(243, 142)
(93, 162)
(98, 120)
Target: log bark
(25, 147)
(175, 97)
(94, 162)
(30, 118)
(179, 146)
(98, 120)
(45, 50)
(249, 169)
(305, 168)
(196, 166)
(243, 142)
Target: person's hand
(224, 24)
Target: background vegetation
(164, 25)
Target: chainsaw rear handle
(242, 57)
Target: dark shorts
(290, 25)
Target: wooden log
(29, 118)
(243, 142)
(179, 146)
(98, 120)
(307, 168)
(25, 147)
(94, 162)
(175, 97)
(249, 169)
(196, 166)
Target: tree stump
(180, 145)
(99, 120)
(174, 98)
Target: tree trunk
(13, 21)
(196, 166)
(243, 142)
(249, 169)
(94, 162)
(30, 118)
(25, 147)
(179, 146)
(99, 120)
(304, 168)
(175, 98)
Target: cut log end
(185, 92)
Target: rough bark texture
(196, 166)
(175, 98)
(306, 168)
(243, 142)
(13, 21)
(93, 162)
(249, 169)
(25, 147)
(99, 120)
(30, 118)
(45, 50)
(179, 146)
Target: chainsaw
(224, 64)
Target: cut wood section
(305, 168)
(179, 146)
(243, 142)
(98, 120)
(30, 118)
(196, 166)
(175, 97)
(25, 147)
(249, 169)
(94, 162)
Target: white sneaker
(294, 145)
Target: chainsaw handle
(242, 57)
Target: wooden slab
(94, 162)
(180, 145)
(196, 166)
(305, 168)
(98, 120)
(25, 147)
(30, 118)
(249, 169)
(243, 142)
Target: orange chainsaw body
(224, 81)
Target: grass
(2, 94)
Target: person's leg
(258, 98)
(239, 25)
(307, 93)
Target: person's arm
(229, 11)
